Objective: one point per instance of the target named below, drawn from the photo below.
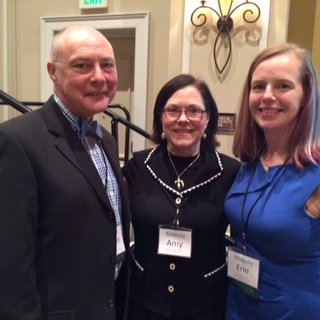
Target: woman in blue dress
(274, 204)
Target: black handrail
(13, 102)
(127, 123)
(23, 108)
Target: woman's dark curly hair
(175, 84)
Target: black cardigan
(198, 283)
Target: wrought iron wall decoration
(224, 24)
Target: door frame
(139, 23)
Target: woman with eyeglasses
(177, 193)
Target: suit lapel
(69, 144)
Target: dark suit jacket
(57, 227)
(170, 285)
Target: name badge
(120, 244)
(244, 270)
(175, 241)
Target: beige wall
(316, 37)
(165, 48)
(302, 15)
(304, 26)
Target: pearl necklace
(179, 182)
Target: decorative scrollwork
(199, 18)
(254, 13)
(200, 14)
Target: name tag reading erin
(175, 241)
(243, 268)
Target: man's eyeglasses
(192, 113)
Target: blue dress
(283, 237)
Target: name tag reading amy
(175, 241)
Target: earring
(162, 136)
(204, 137)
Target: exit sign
(92, 4)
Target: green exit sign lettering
(92, 4)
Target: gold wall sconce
(221, 20)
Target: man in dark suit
(64, 217)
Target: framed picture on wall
(226, 122)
